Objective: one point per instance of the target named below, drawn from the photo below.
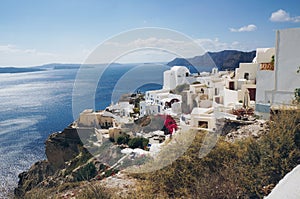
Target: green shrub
(86, 172)
(138, 143)
(123, 139)
(136, 110)
(297, 95)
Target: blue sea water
(35, 104)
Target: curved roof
(177, 68)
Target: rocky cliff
(62, 147)
(70, 170)
(66, 156)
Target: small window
(186, 74)
(246, 76)
(216, 91)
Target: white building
(198, 96)
(177, 75)
(90, 118)
(206, 90)
(287, 61)
(265, 80)
(122, 109)
(203, 118)
(162, 101)
(158, 101)
(244, 79)
(276, 85)
(146, 108)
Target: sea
(35, 104)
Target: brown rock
(62, 147)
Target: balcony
(267, 66)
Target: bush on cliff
(138, 143)
(123, 139)
(86, 172)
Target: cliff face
(60, 148)
(227, 59)
(31, 178)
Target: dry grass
(231, 170)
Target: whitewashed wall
(287, 62)
(250, 68)
(230, 97)
(264, 83)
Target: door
(252, 93)
(231, 85)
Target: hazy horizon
(36, 33)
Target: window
(186, 74)
(216, 91)
(246, 76)
(202, 124)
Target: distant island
(58, 66)
(54, 66)
(19, 70)
(224, 60)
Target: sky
(35, 32)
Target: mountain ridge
(224, 60)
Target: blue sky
(34, 32)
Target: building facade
(278, 78)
